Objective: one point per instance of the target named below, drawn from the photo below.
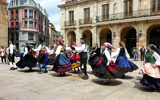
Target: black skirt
(42, 59)
(28, 61)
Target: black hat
(82, 38)
(40, 40)
(12, 40)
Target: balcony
(85, 21)
(70, 23)
(127, 15)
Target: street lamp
(140, 32)
(114, 34)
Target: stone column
(78, 36)
(94, 35)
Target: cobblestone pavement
(23, 85)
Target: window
(30, 36)
(105, 11)
(12, 36)
(30, 2)
(25, 13)
(17, 36)
(155, 4)
(128, 8)
(31, 24)
(35, 15)
(16, 14)
(12, 16)
(17, 25)
(35, 25)
(17, 46)
(16, 2)
(30, 13)
(12, 25)
(87, 15)
(25, 23)
(71, 16)
(12, 3)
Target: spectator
(142, 50)
(135, 53)
(3, 54)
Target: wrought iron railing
(126, 15)
(85, 21)
(70, 23)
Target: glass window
(153, 5)
(30, 36)
(17, 46)
(16, 2)
(25, 13)
(16, 25)
(35, 15)
(16, 14)
(35, 25)
(12, 3)
(12, 15)
(31, 24)
(12, 36)
(107, 9)
(17, 36)
(103, 11)
(126, 7)
(30, 2)
(130, 7)
(30, 13)
(158, 5)
(11, 24)
(25, 23)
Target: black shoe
(45, 72)
(123, 76)
(12, 68)
(15, 68)
(64, 74)
(30, 70)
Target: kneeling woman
(151, 69)
(28, 60)
(62, 63)
(105, 67)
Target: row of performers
(101, 63)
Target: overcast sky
(52, 10)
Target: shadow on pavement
(27, 70)
(143, 88)
(128, 77)
(112, 83)
(56, 74)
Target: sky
(52, 10)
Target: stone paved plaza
(23, 85)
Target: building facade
(3, 23)
(27, 22)
(52, 34)
(135, 22)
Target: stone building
(53, 34)
(136, 22)
(3, 23)
(28, 22)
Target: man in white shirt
(83, 57)
(11, 56)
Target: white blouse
(157, 58)
(80, 49)
(2, 52)
(25, 51)
(118, 51)
(108, 56)
(58, 50)
(11, 49)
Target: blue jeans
(135, 56)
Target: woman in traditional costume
(51, 55)
(28, 60)
(62, 63)
(151, 69)
(105, 68)
(75, 59)
(122, 59)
